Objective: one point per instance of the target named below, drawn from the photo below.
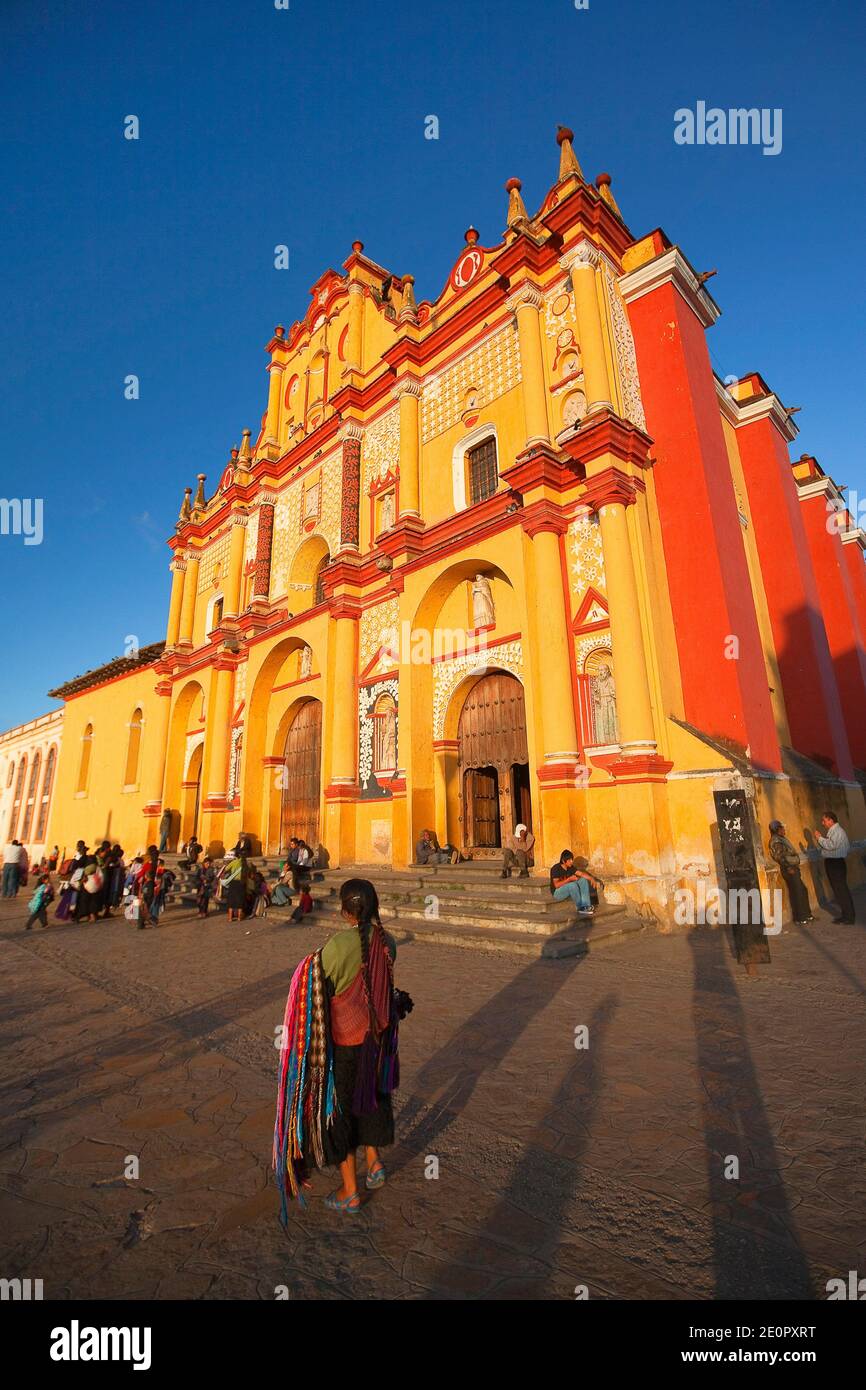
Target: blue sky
(306, 127)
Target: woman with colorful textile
(147, 887)
(235, 882)
(339, 1062)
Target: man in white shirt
(11, 869)
(835, 847)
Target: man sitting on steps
(518, 851)
(568, 881)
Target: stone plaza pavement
(558, 1166)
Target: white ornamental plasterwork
(447, 675)
(287, 517)
(234, 763)
(252, 537)
(586, 555)
(380, 450)
(214, 564)
(367, 697)
(556, 324)
(599, 641)
(378, 628)
(332, 496)
(626, 358)
(491, 368)
(240, 684)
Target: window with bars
(483, 475)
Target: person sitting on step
(429, 851)
(567, 881)
(518, 851)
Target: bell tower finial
(516, 207)
(602, 183)
(568, 163)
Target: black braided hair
(360, 900)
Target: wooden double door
(493, 762)
(302, 776)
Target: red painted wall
(802, 650)
(708, 575)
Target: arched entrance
(302, 777)
(191, 789)
(493, 763)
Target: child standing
(38, 904)
(205, 882)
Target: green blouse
(341, 957)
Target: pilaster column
(219, 721)
(264, 545)
(526, 303)
(608, 494)
(350, 509)
(445, 780)
(190, 589)
(581, 262)
(277, 348)
(556, 695)
(408, 393)
(155, 747)
(178, 575)
(237, 542)
(355, 335)
(342, 723)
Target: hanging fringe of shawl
(306, 1097)
(378, 1068)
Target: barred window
(482, 471)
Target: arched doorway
(192, 795)
(493, 763)
(302, 777)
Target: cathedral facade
(512, 554)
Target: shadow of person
(540, 1183)
(443, 1087)
(756, 1249)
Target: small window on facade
(11, 774)
(31, 797)
(320, 579)
(483, 475)
(84, 765)
(16, 800)
(45, 800)
(133, 749)
(217, 614)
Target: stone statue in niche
(306, 662)
(386, 512)
(483, 612)
(389, 739)
(604, 705)
(574, 410)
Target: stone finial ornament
(567, 158)
(602, 183)
(516, 208)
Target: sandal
(375, 1177)
(347, 1204)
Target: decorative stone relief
(381, 452)
(586, 555)
(367, 697)
(378, 627)
(490, 369)
(447, 675)
(559, 313)
(626, 359)
(252, 540)
(214, 564)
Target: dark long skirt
(236, 895)
(349, 1132)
